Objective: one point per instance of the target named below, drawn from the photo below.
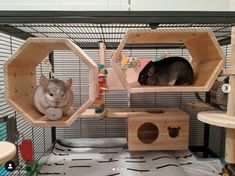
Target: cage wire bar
(41, 137)
(86, 29)
(87, 36)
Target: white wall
(181, 5)
(232, 5)
(78, 5)
(110, 5)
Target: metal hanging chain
(49, 66)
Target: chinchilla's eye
(62, 95)
(51, 94)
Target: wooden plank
(82, 55)
(162, 35)
(217, 118)
(230, 133)
(123, 112)
(187, 88)
(115, 66)
(228, 71)
(230, 146)
(34, 50)
(114, 113)
(8, 151)
(113, 82)
(52, 43)
(19, 81)
(102, 53)
(93, 82)
(202, 47)
(199, 106)
(207, 54)
(24, 106)
(28, 57)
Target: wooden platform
(217, 118)
(207, 57)
(20, 78)
(123, 112)
(8, 151)
(25, 108)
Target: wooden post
(102, 53)
(230, 133)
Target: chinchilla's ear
(43, 81)
(68, 84)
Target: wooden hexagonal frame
(207, 57)
(20, 78)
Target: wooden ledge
(228, 72)
(217, 118)
(8, 151)
(124, 112)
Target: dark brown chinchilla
(168, 71)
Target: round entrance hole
(158, 111)
(148, 133)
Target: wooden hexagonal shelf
(207, 57)
(20, 78)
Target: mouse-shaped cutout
(53, 93)
(173, 132)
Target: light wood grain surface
(7, 151)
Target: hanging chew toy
(100, 107)
(49, 67)
(133, 61)
(160, 57)
(124, 61)
(102, 79)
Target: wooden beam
(102, 53)
(124, 112)
(230, 133)
(217, 118)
